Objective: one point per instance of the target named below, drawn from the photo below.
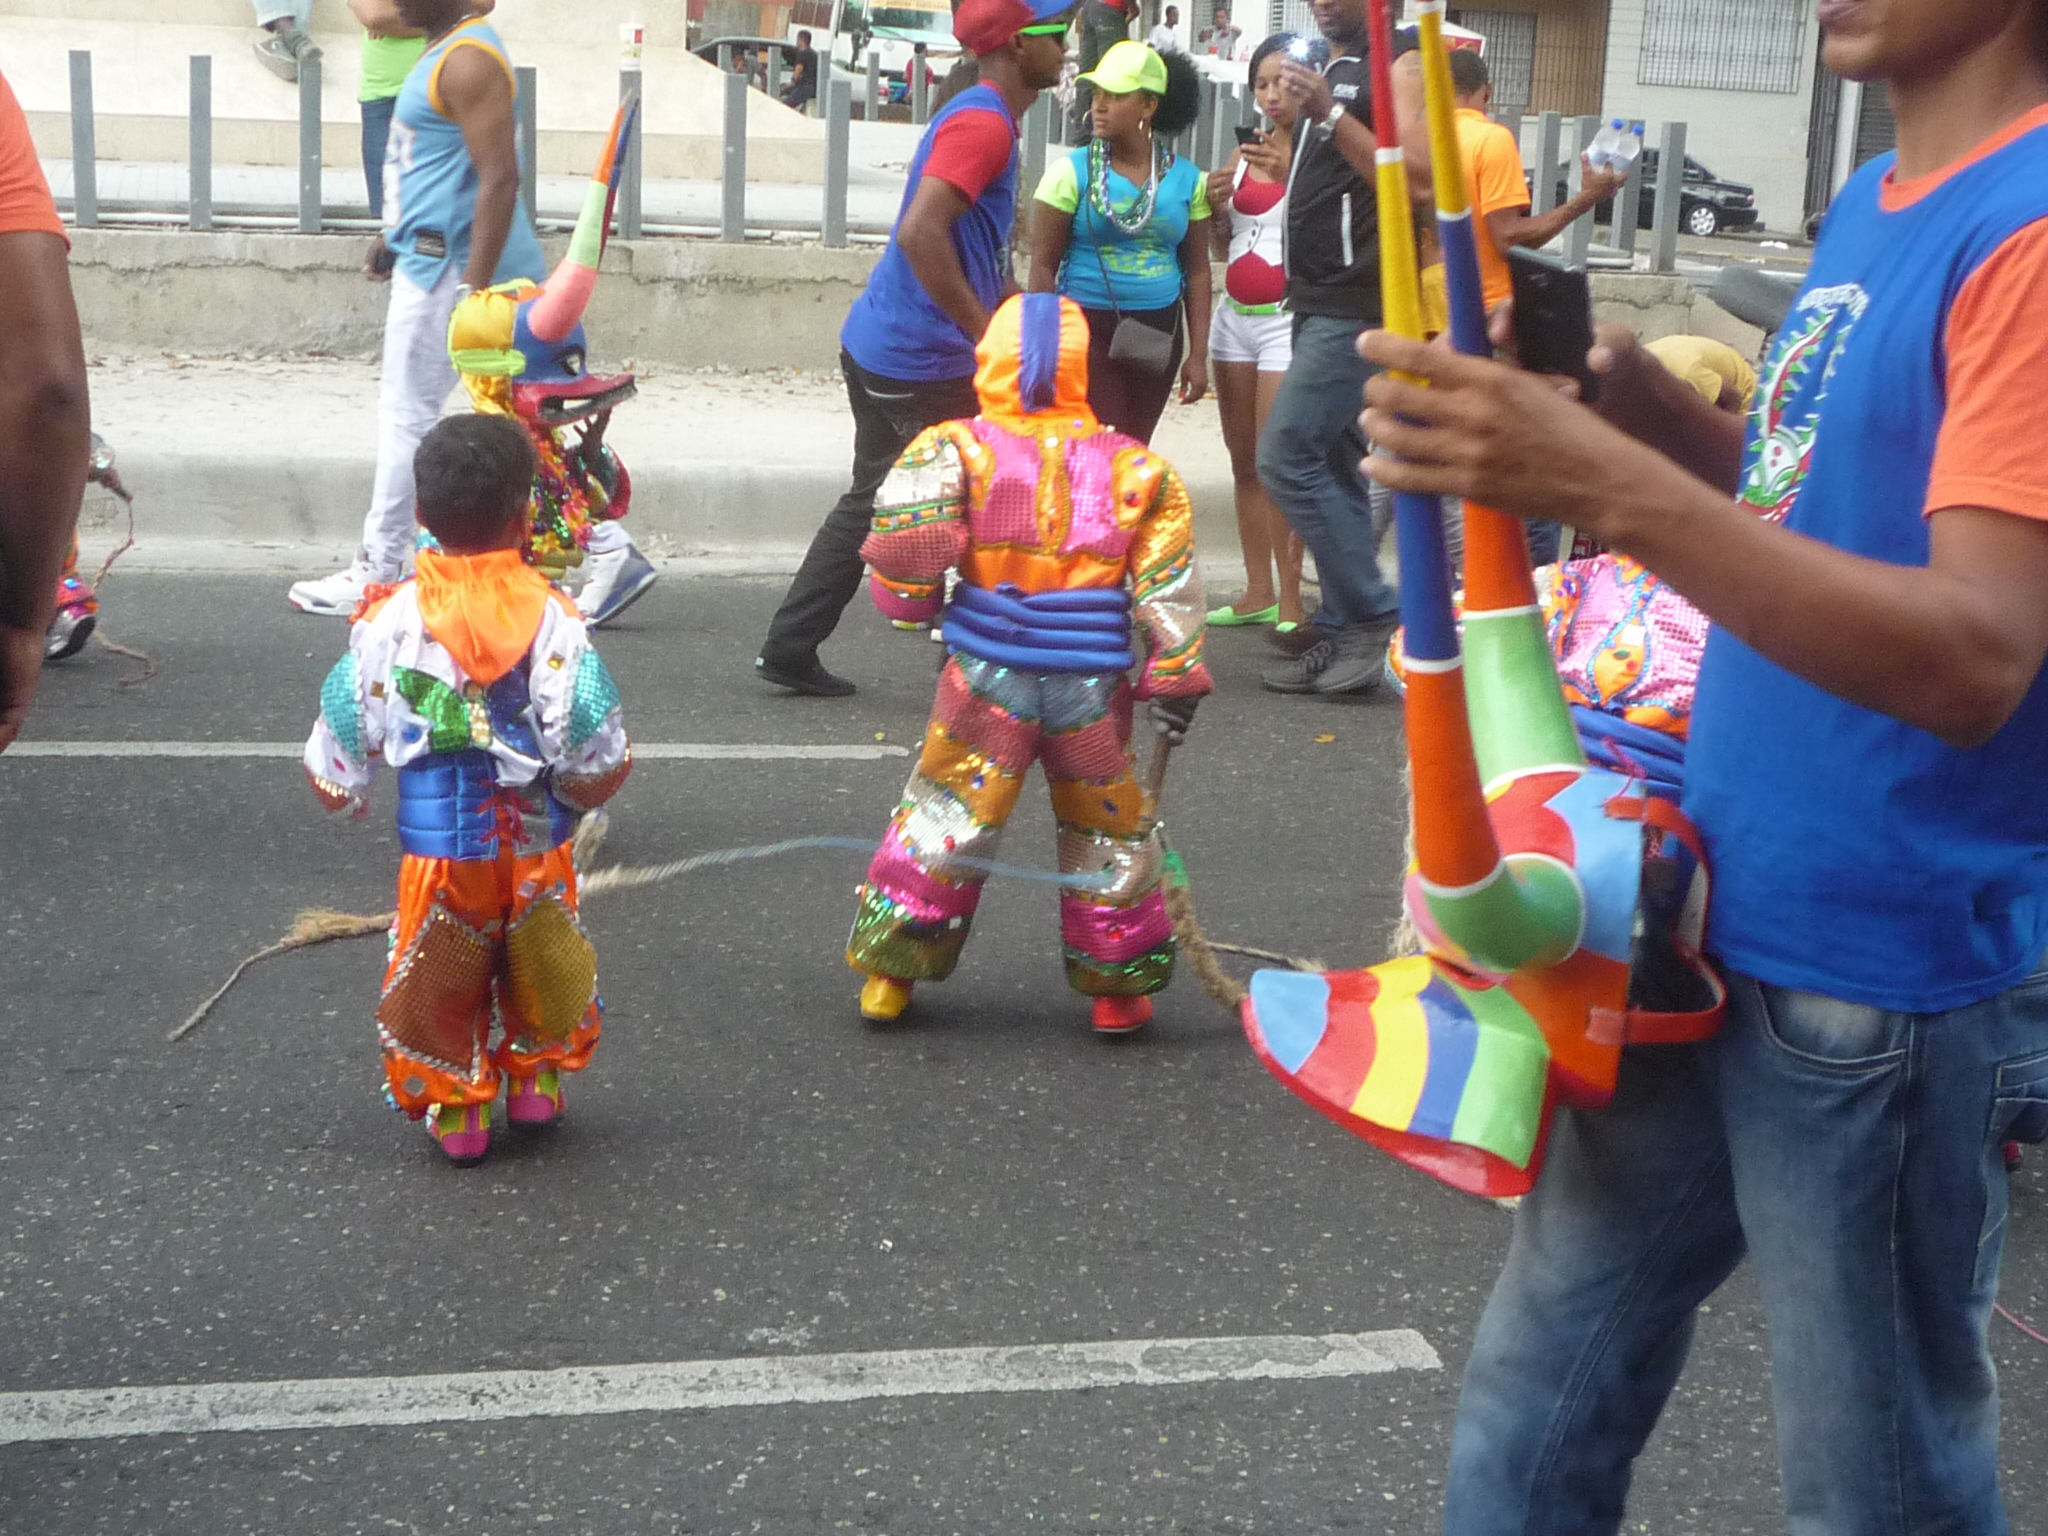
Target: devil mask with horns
(521, 351)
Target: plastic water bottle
(1616, 147)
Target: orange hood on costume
(483, 609)
(1034, 362)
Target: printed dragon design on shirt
(1795, 382)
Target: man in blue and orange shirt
(1865, 767)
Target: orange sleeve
(1497, 179)
(25, 202)
(1989, 451)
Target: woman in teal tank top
(1121, 227)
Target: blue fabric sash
(1635, 750)
(448, 808)
(1087, 631)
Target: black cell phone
(1553, 317)
(1246, 135)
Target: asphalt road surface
(747, 1173)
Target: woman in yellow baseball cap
(1121, 227)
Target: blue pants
(1853, 1154)
(377, 117)
(1308, 462)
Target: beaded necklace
(1133, 222)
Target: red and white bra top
(1258, 220)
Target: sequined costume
(477, 682)
(1066, 536)
(521, 352)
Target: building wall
(1759, 137)
(1571, 42)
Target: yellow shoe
(883, 998)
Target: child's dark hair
(1468, 72)
(1181, 103)
(473, 476)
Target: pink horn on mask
(561, 305)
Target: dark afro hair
(473, 477)
(1468, 72)
(1181, 102)
(1278, 42)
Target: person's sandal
(1227, 617)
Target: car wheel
(1701, 220)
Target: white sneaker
(617, 577)
(336, 596)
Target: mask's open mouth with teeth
(571, 400)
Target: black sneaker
(806, 677)
(1300, 674)
(1360, 662)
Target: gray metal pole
(634, 174)
(775, 73)
(1037, 120)
(200, 208)
(1579, 237)
(1203, 152)
(1670, 181)
(1628, 209)
(85, 173)
(310, 211)
(838, 138)
(1549, 133)
(732, 216)
(872, 111)
(920, 92)
(527, 110)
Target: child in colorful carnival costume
(1559, 901)
(1064, 533)
(521, 352)
(477, 681)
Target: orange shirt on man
(25, 201)
(1494, 181)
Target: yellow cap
(1128, 67)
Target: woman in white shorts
(1251, 341)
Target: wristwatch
(1330, 117)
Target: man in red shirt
(45, 418)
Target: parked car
(1707, 203)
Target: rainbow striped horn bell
(1561, 906)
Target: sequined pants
(989, 724)
(478, 941)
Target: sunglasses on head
(1048, 29)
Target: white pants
(417, 378)
(1236, 337)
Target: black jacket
(1333, 213)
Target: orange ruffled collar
(485, 609)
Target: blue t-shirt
(1854, 855)
(894, 329)
(430, 182)
(1106, 268)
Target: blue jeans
(1854, 1155)
(377, 117)
(1308, 462)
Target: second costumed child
(1068, 537)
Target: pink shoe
(1121, 1015)
(535, 1100)
(463, 1130)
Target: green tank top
(386, 63)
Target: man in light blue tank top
(452, 222)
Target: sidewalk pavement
(269, 460)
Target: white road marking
(643, 751)
(686, 1385)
